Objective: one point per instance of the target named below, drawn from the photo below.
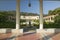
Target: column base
(17, 26)
(41, 26)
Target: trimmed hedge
(52, 25)
(7, 25)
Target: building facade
(49, 18)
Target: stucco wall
(51, 30)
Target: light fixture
(29, 4)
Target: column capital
(41, 0)
(18, 0)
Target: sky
(8, 5)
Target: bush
(51, 25)
(7, 25)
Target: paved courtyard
(31, 36)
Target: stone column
(17, 31)
(50, 19)
(17, 14)
(41, 15)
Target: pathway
(29, 36)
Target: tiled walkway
(32, 36)
(4, 36)
(56, 37)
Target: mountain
(21, 13)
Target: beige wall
(49, 18)
(30, 17)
